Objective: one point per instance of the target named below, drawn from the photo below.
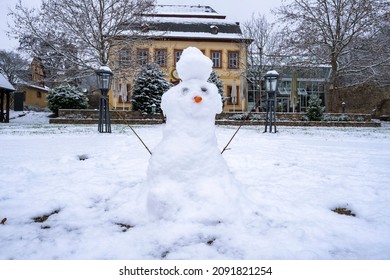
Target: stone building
(172, 28)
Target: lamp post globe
(153, 106)
(271, 87)
(271, 81)
(343, 105)
(104, 79)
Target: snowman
(187, 177)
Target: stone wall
(362, 99)
(77, 116)
(94, 114)
(297, 117)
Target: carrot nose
(198, 99)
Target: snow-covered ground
(60, 207)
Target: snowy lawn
(68, 192)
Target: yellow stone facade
(229, 76)
(34, 96)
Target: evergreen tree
(66, 97)
(149, 86)
(215, 79)
(315, 111)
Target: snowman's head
(193, 64)
(194, 96)
(192, 99)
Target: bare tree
(13, 66)
(339, 33)
(263, 51)
(368, 60)
(73, 36)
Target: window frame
(220, 58)
(164, 58)
(142, 59)
(124, 60)
(230, 65)
(175, 56)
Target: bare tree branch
(342, 33)
(13, 66)
(72, 37)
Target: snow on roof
(203, 35)
(190, 20)
(185, 21)
(39, 87)
(5, 84)
(26, 84)
(194, 28)
(180, 10)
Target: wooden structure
(5, 91)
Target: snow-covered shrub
(215, 79)
(360, 119)
(344, 118)
(240, 117)
(330, 118)
(315, 110)
(66, 97)
(149, 86)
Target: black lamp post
(153, 106)
(104, 78)
(271, 87)
(343, 105)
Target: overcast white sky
(235, 10)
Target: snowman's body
(187, 175)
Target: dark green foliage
(315, 110)
(215, 79)
(148, 88)
(66, 97)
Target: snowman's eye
(184, 91)
(203, 89)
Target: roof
(186, 11)
(24, 84)
(5, 84)
(191, 22)
(196, 25)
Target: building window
(124, 57)
(161, 57)
(177, 55)
(142, 56)
(39, 94)
(233, 58)
(216, 57)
